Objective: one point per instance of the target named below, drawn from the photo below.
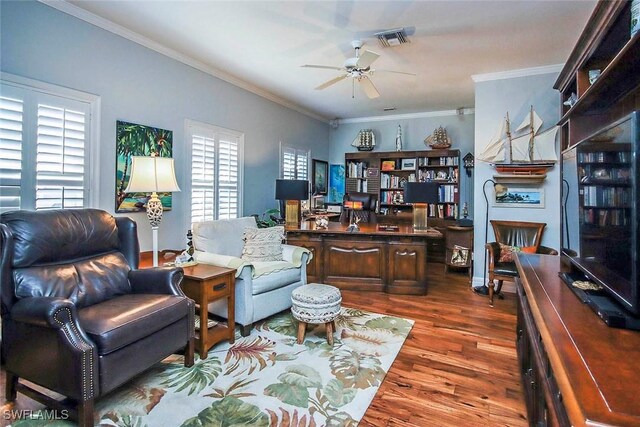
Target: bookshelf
(604, 179)
(385, 174)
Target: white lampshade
(152, 174)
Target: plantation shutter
(295, 163)
(60, 158)
(44, 149)
(202, 179)
(228, 177)
(288, 163)
(302, 164)
(215, 177)
(11, 134)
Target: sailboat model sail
(495, 150)
(527, 146)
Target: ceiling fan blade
(391, 71)
(368, 87)
(366, 58)
(328, 67)
(331, 82)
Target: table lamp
(152, 175)
(292, 190)
(351, 206)
(420, 194)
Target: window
(216, 179)
(45, 146)
(294, 163)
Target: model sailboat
(527, 149)
(365, 141)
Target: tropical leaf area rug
(265, 379)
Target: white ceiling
(264, 43)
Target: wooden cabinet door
(407, 268)
(314, 245)
(358, 265)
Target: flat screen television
(600, 195)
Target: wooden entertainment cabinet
(604, 45)
(575, 369)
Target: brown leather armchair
(78, 318)
(513, 233)
(368, 212)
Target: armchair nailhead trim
(84, 347)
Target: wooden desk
(372, 259)
(204, 284)
(575, 369)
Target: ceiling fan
(359, 69)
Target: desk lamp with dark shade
(420, 194)
(152, 175)
(292, 191)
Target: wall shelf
(519, 179)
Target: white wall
(139, 85)
(493, 100)
(414, 131)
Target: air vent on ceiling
(392, 37)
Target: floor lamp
(152, 175)
(292, 190)
(420, 194)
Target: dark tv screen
(600, 209)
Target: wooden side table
(205, 283)
(462, 237)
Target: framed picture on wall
(336, 183)
(507, 197)
(320, 182)
(138, 140)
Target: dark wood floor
(457, 368)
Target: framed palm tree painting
(138, 140)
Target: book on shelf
(388, 165)
(357, 169)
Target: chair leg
(245, 330)
(302, 329)
(188, 353)
(10, 387)
(491, 286)
(85, 413)
(499, 288)
(329, 326)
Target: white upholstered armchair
(263, 288)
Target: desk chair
(368, 212)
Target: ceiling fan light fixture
(391, 38)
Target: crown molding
(522, 72)
(121, 31)
(406, 116)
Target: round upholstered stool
(316, 303)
